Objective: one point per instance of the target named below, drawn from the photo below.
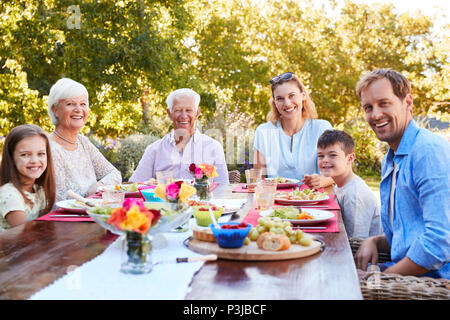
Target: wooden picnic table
(37, 253)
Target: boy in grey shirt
(359, 206)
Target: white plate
(230, 205)
(299, 202)
(127, 193)
(319, 216)
(292, 183)
(74, 206)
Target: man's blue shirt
(421, 221)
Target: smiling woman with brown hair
(286, 146)
(79, 165)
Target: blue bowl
(149, 195)
(230, 238)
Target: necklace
(59, 136)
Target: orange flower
(117, 216)
(209, 170)
(135, 219)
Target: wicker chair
(376, 285)
(234, 176)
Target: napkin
(213, 186)
(331, 225)
(62, 212)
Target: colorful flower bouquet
(178, 192)
(134, 216)
(201, 174)
(136, 220)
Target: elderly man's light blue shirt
(275, 146)
(421, 218)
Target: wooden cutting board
(251, 252)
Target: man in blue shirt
(415, 184)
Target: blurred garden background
(131, 54)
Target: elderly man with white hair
(184, 145)
(79, 165)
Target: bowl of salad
(172, 216)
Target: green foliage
(117, 50)
(18, 103)
(126, 153)
(131, 54)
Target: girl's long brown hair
(8, 170)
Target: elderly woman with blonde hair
(79, 165)
(286, 145)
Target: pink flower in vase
(198, 173)
(172, 191)
(129, 202)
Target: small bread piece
(273, 242)
(261, 238)
(285, 242)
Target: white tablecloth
(102, 279)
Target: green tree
(117, 49)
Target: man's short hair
(400, 85)
(186, 92)
(331, 137)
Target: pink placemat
(331, 225)
(241, 188)
(213, 186)
(67, 213)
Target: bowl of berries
(231, 234)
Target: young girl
(27, 183)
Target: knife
(210, 257)
(305, 206)
(68, 215)
(314, 228)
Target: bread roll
(286, 243)
(273, 242)
(263, 236)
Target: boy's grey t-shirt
(360, 209)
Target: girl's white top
(11, 200)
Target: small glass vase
(136, 253)
(178, 206)
(202, 187)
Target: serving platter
(251, 252)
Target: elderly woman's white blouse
(12, 200)
(79, 169)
